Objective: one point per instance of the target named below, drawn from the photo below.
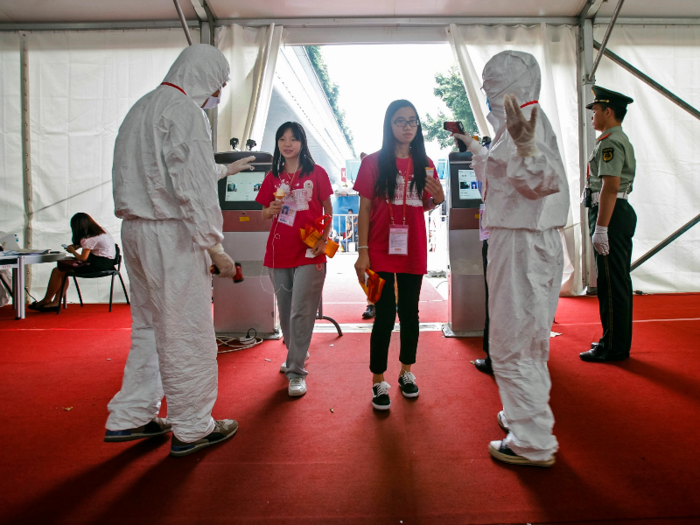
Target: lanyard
(174, 86)
(405, 189)
(291, 182)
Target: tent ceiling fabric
(91, 10)
(61, 11)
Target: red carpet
(344, 300)
(627, 432)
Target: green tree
(450, 89)
(331, 90)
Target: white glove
(223, 262)
(240, 165)
(600, 240)
(473, 146)
(522, 131)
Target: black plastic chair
(95, 275)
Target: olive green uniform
(613, 156)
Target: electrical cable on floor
(235, 344)
(238, 343)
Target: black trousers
(485, 258)
(614, 280)
(409, 286)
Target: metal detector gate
(239, 307)
(465, 272)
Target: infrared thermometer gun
(238, 278)
(456, 127)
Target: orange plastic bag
(372, 286)
(311, 234)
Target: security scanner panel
(463, 187)
(239, 307)
(465, 274)
(238, 192)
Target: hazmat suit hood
(510, 73)
(199, 71)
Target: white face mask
(211, 102)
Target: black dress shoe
(484, 365)
(595, 355)
(369, 313)
(34, 306)
(47, 309)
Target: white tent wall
(246, 99)
(82, 84)
(555, 49)
(11, 180)
(666, 140)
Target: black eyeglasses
(402, 122)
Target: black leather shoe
(46, 309)
(484, 365)
(594, 355)
(369, 313)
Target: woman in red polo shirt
(294, 194)
(392, 239)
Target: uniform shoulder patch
(608, 154)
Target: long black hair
(83, 227)
(306, 161)
(386, 182)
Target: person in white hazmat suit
(165, 189)
(527, 200)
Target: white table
(17, 263)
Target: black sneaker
(369, 313)
(157, 427)
(407, 384)
(380, 396)
(223, 430)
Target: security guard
(612, 222)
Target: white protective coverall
(527, 199)
(165, 189)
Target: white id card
(288, 214)
(398, 240)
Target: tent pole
(648, 81)
(586, 140)
(207, 35)
(668, 240)
(183, 21)
(26, 156)
(605, 39)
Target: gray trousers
(298, 293)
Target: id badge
(398, 240)
(288, 214)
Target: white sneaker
(297, 387)
(283, 368)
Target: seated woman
(98, 253)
